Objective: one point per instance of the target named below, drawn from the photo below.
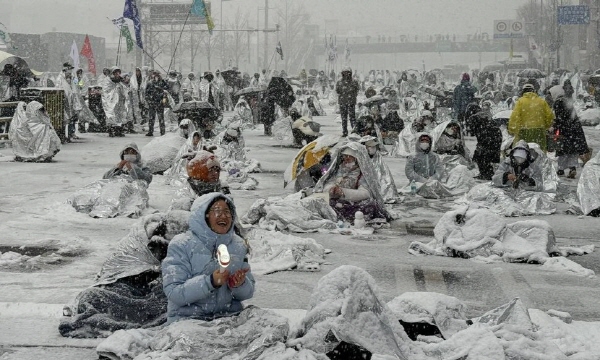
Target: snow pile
(485, 236)
(589, 117)
(275, 251)
(110, 198)
(345, 307)
(161, 153)
(293, 213)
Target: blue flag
(199, 9)
(131, 12)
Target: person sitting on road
(349, 188)
(195, 281)
(424, 123)
(424, 165)
(365, 126)
(303, 129)
(130, 166)
(450, 141)
(519, 169)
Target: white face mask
(371, 150)
(450, 131)
(424, 146)
(130, 158)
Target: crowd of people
(195, 278)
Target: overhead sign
(573, 15)
(508, 29)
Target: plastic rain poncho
(187, 151)
(114, 102)
(110, 198)
(128, 290)
(32, 136)
(588, 187)
(138, 170)
(371, 180)
(243, 111)
(389, 192)
(63, 83)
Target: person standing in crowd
(531, 118)
(347, 90)
(155, 94)
(190, 86)
(174, 86)
(255, 82)
(462, 97)
(80, 89)
(571, 142)
(489, 141)
(113, 102)
(72, 107)
(220, 84)
(138, 87)
(129, 105)
(208, 90)
(103, 77)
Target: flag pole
(119, 46)
(178, 40)
(271, 61)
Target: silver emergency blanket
(457, 181)
(161, 153)
(292, 213)
(232, 151)
(111, 197)
(389, 192)
(445, 312)
(512, 202)
(282, 131)
(178, 171)
(113, 103)
(243, 336)
(479, 233)
(243, 113)
(588, 187)
(31, 134)
(366, 167)
(437, 132)
(133, 256)
(346, 306)
(274, 251)
(405, 146)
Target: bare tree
(207, 44)
(236, 41)
(293, 18)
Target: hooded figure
(531, 118)
(113, 101)
(195, 283)
(187, 152)
(352, 184)
(191, 86)
(424, 164)
(243, 112)
(520, 169)
(130, 166)
(32, 136)
(463, 95)
(489, 141)
(450, 140)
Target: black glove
(527, 180)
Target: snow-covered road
(33, 212)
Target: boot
(149, 134)
(162, 131)
(572, 173)
(111, 131)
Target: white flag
(75, 55)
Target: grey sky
(361, 17)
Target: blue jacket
(191, 259)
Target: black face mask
(116, 79)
